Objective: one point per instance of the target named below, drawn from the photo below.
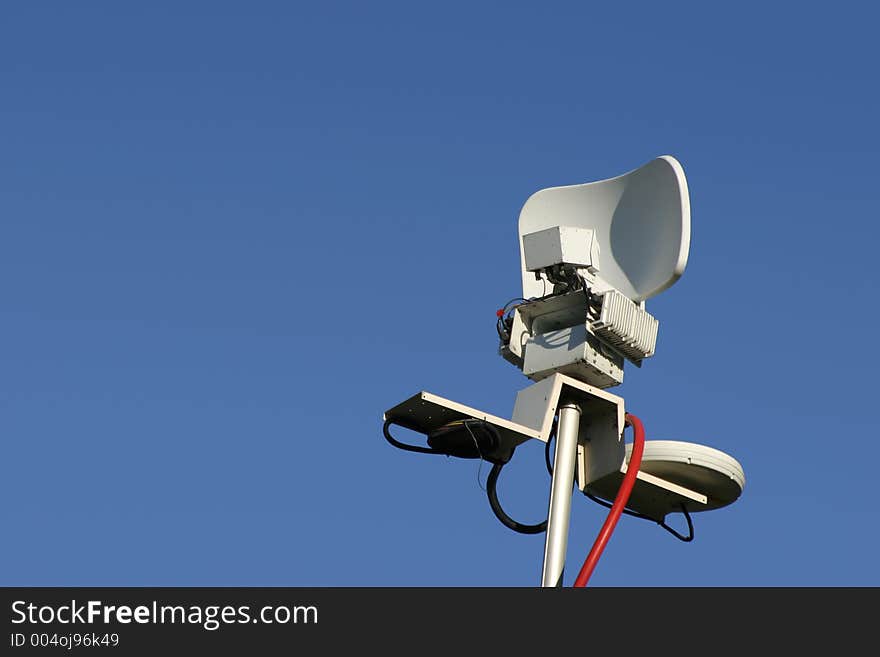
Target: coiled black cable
(404, 446)
(506, 520)
(492, 494)
(491, 482)
(662, 523)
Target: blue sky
(233, 234)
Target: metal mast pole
(559, 513)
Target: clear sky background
(233, 234)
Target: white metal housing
(627, 327)
(561, 245)
(574, 352)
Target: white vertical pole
(559, 514)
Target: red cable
(629, 480)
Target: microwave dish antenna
(591, 256)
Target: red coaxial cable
(620, 501)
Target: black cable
(492, 494)
(500, 324)
(409, 448)
(687, 516)
(547, 460)
(629, 512)
(505, 307)
(491, 482)
(608, 505)
(662, 523)
(506, 520)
